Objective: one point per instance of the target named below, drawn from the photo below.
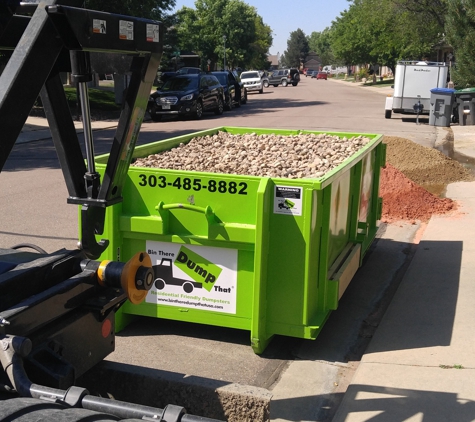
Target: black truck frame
(57, 309)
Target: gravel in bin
(267, 155)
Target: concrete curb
(199, 396)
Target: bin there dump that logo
(193, 276)
(198, 268)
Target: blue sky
(286, 16)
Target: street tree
(216, 28)
(350, 37)
(320, 43)
(460, 29)
(399, 30)
(297, 49)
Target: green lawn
(383, 83)
(99, 99)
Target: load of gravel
(268, 155)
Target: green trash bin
(267, 255)
(465, 99)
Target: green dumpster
(465, 99)
(267, 255)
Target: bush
(363, 73)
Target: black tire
(159, 283)
(276, 85)
(284, 82)
(151, 111)
(295, 84)
(26, 409)
(219, 107)
(261, 91)
(387, 114)
(229, 103)
(244, 97)
(199, 110)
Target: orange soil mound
(404, 200)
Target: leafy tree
(460, 28)
(399, 30)
(297, 49)
(426, 11)
(350, 37)
(320, 43)
(260, 47)
(202, 30)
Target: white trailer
(412, 84)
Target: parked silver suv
(252, 81)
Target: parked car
(278, 77)
(293, 77)
(312, 74)
(162, 77)
(234, 92)
(265, 78)
(252, 81)
(284, 77)
(322, 75)
(188, 70)
(309, 72)
(187, 95)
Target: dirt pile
(412, 171)
(424, 166)
(405, 200)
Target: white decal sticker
(99, 26)
(288, 200)
(152, 33)
(126, 30)
(190, 276)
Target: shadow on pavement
(381, 404)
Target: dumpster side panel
(287, 249)
(339, 212)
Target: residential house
(274, 61)
(312, 61)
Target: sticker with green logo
(198, 268)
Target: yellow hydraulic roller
(135, 276)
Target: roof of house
(274, 59)
(312, 63)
